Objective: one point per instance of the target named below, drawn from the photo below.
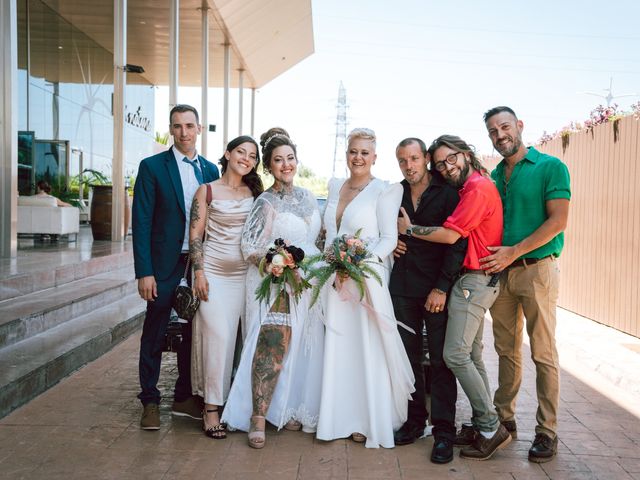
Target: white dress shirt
(189, 187)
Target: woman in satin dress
(218, 214)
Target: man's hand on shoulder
(147, 288)
(501, 258)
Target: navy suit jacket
(159, 214)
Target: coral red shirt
(478, 216)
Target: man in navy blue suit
(163, 192)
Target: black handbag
(185, 303)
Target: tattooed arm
(430, 234)
(197, 223)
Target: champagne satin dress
(216, 323)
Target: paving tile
(87, 427)
(630, 465)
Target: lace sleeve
(387, 208)
(257, 231)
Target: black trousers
(444, 392)
(152, 341)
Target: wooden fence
(600, 263)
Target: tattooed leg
(272, 346)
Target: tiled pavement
(87, 427)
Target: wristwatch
(409, 231)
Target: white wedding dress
(296, 219)
(367, 378)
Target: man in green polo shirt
(535, 193)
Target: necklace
(234, 188)
(359, 189)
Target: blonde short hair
(363, 133)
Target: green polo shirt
(536, 178)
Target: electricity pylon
(340, 146)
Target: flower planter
(101, 212)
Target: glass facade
(65, 103)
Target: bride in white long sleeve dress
(278, 379)
(367, 377)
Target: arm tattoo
(195, 213)
(418, 230)
(196, 253)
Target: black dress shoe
(442, 450)
(543, 448)
(407, 434)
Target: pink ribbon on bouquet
(346, 294)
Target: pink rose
(288, 260)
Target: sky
(425, 68)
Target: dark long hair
(456, 144)
(251, 179)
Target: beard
(509, 150)
(459, 181)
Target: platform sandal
(256, 436)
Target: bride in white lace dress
(281, 365)
(367, 377)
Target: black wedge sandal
(217, 432)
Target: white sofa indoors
(41, 215)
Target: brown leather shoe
(483, 448)
(465, 436)
(189, 408)
(543, 449)
(150, 417)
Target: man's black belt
(525, 262)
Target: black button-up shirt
(428, 265)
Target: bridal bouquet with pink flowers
(280, 268)
(347, 257)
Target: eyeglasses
(451, 159)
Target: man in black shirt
(421, 278)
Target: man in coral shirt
(478, 217)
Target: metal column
(8, 128)
(253, 112)
(119, 82)
(174, 39)
(204, 110)
(227, 83)
(240, 99)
